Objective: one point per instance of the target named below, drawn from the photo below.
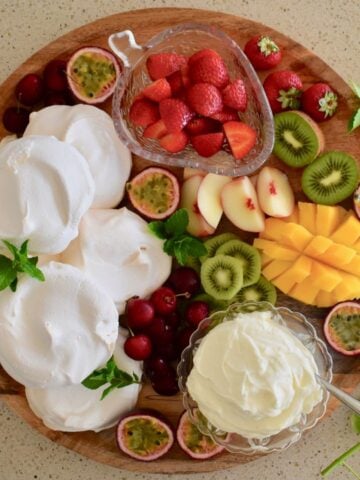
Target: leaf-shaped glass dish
(187, 39)
(298, 326)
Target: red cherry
(30, 89)
(157, 367)
(196, 312)
(138, 347)
(164, 300)
(166, 385)
(173, 320)
(140, 313)
(185, 279)
(183, 338)
(167, 350)
(15, 119)
(58, 98)
(159, 332)
(55, 76)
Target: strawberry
(209, 69)
(144, 112)
(174, 142)
(206, 52)
(161, 65)
(319, 101)
(198, 126)
(283, 90)
(208, 144)
(158, 90)
(263, 52)
(226, 115)
(241, 138)
(234, 95)
(205, 99)
(179, 79)
(155, 130)
(175, 113)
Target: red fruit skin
(310, 101)
(209, 69)
(175, 114)
(161, 65)
(183, 338)
(283, 80)
(15, 119)
(163, 301)
(174, 142)
(155, 130)
(185, 280)
(208, 144)
(196, 312)
(140, 313)
(205, 99)
(55, 76)
(58, 98)
(175, 81)
(159, 332)
(206, 52)
(200, 125)
(258, 59)
(30, 89)
(234, 95)
(157, 366)
(227, 114)
(144, 112)
(138, 347)
(241, 138)
(158, 90)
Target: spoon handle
(344, 397)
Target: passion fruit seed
(344, 328)
(157, 191)
(145, 436)
(93, 74)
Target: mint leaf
(13, 285)
(29, 268)
(158, 229)
(177, 223)
(354, 121)
(355, 88)
(11, 247)
(24, 249)
(95, 381)
(7, 272)
(106, 392)
(169, 247)
(355, 422)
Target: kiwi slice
(221, 276)
(298, 139)
(262, 291)
(330, 178)
(213, 243)
(249, 257)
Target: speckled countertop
(331, 28)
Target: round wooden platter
(146, 23)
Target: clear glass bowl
(187, 39)
(305, 332)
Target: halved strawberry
(205, 99)
(234, 95)
(155, 130)
(144, 112)
(227, 114)
(241, 138)
(179, 80)
(158, 90)
(174, 142)
(208, 144)
(205, 52)
(175, 113)
(209, 69)
(199, 126)
(161, 65)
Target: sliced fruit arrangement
(342, 328)
(315, 260)
(196, 102)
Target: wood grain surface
(146, 23)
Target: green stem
(340, 460)
(351, 470)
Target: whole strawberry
(175, 114)
(209, 69)
(283, 90)
(161, 65)
(234, 95)
(205, 99)
(263, 52)
(319, 101)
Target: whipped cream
(117, 249)
(56, 332)
(92, 132)
(76, 408)
(45, 188)
(253, 377)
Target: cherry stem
(187, 295)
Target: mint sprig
(21, 263)
(178, 243)
(112, 375)
(354, 121)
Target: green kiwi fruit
(213, 243)
(298, 139)
(194, 263)
(249, 257)
(331, 178)
(262, 291)
(221, 276)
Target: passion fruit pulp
(342, 328)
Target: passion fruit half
(144, 435)
(92, 73)
(154, 192)
(193, 442)
(342, 328)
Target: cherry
(159, 332)
(57, 98)
(138, 347)
(185, 279)
(173, 320)
(140, 313)
(166, 385)
(167, 350)
(196, 312)
(15, 119)
(183, 338)
(157, 366)
(30, 89)
(55, 76)
(164, 300)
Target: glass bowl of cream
(249, 377)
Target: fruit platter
(286, 233)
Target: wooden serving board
(146, 23)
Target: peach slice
(240, 204)
(190, 172)
(276, 197)
(209, 198)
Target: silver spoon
(344, 397)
